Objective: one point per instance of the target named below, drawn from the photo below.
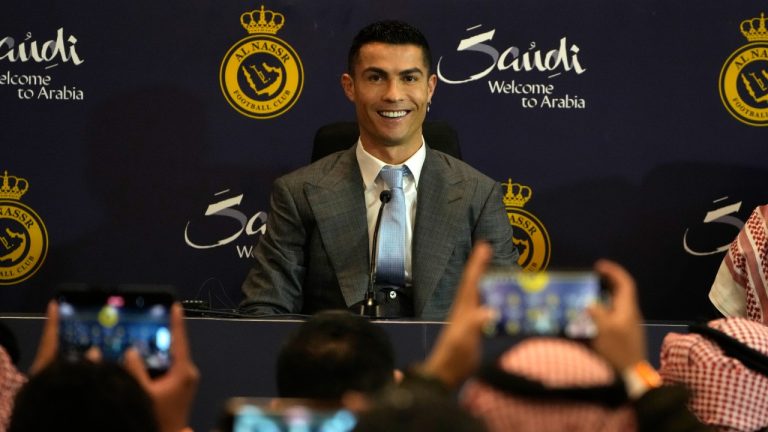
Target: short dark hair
(83, 396)
(389, 32)
(332, 353)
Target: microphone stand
(369, 306)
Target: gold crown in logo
(13, 187)
(517, 195)
(754, 29)
(268, 21)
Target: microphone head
(385, 196)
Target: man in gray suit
(316, 251)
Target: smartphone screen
(114, 321)
(257, 415)
(540, 303)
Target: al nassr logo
(261, 76)
(23, 238)
(744, 77)
(528, 233)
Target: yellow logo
(744, 77)
(528, 233)
(23, 238)
(533, 282)
(108, 316)
(261, 76)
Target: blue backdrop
(139, 169)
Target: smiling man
(317, 249)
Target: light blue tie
(390, 267)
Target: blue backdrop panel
(140, 169)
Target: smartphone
(244, 414)
(114, 320)
(545, 303)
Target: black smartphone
(242, 414)
(115, 319)
(545, 303)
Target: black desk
(237, 357)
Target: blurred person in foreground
(740, 288)
(725, 361)
(11, 379)
(626, 391)
(336, 357)
(83, 396)
(93, 396)
(725, 365)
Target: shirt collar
(370, 165)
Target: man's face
(390, 89)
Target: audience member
(549, 384)
(9, 343)
(740, 288)
(717, 361)
(620, 342)
(725, 365)
(11, 381)
(83, 396)
(167, 399)
(335, 355)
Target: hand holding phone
(546, 303)
(113, 321)
(172, 393)
(284, 415)
(621, 339)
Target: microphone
(369, 306)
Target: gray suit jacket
(314, 254)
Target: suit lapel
(437, 220)
(338, 204)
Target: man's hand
(48, 348)
(173, 392)
(457, 352)
(620, 335)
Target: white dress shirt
(369, 168)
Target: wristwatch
(639, 378)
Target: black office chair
(338, 136)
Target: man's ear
(349, 86)
(431, 84)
